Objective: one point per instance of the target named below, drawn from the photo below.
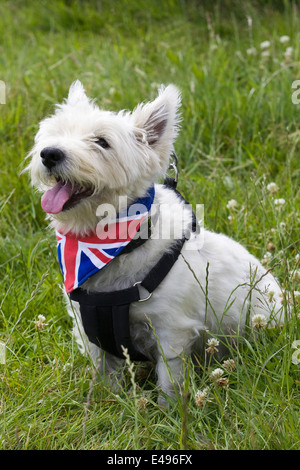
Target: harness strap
(132, 294)
(162, 267)
(105, 315)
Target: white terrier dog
(87, 161)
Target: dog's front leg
(169, 376)
(110, 368)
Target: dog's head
(84, 156)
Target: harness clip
(173, 166)
(147, 298)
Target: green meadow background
(240, 132)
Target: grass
(239, 133)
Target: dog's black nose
(51, 156)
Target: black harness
(105, 315)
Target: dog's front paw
(114, 382)
(110, 370)
(162, 402)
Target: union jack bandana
(82, 257)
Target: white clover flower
(279, 202)
(251, 51)
(265, 44)
(282, 226)
(271, 247)
(201, 397)
(288, 52)
(284, 39)
(232, 204)
(40, 323)
(265, 53)
(229, 365)
(142, 403)
(259, 321)
(271, 296)
(217, 379)
(267, 258)
(212, 344)
(222, 382)
(216, 374)
(272, 188)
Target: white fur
(210, 288)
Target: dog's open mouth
(64, 195)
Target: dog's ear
(159, 119)
(76, 94)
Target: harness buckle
(173, 166)
(147, 298)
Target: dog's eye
(102, 142)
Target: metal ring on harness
(147, 298)
(173, 166)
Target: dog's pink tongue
(54, 199)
